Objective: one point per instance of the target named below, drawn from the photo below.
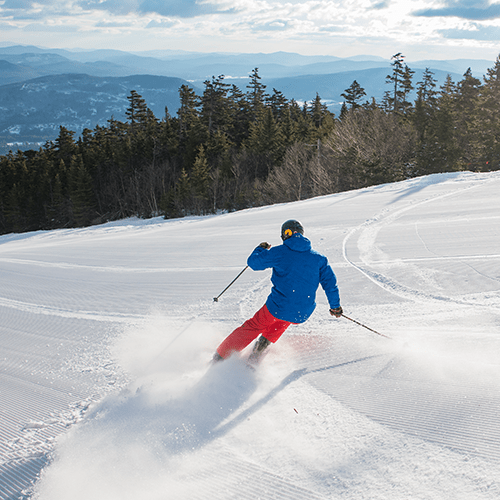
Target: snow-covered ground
(106, 334)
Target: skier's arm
(328, 281)
(261, 258)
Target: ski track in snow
(108, 393)
(367, 233)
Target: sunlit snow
(106, 334)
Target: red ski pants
(263, 323)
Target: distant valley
(32, 111)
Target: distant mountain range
(196, 66)
(41, 89)
(32, 111)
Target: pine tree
(192, 131)
(426, 104)
(256, 94)
(396, 79)
(489, 105)
(188, 112)
(406, 88)
(241, 114)
(183, 192)
(215, 109)
(200, 180)
(278, 104)
(318, 111)
(353, 94)
(81, 192)
(65, 146)
(343, 111)
(289, 129)
(266, 139)
(137, 112)
(440, 151)
(467, 121)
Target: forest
(229, 149)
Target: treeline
(228, 149)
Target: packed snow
(106, 334)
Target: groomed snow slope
(106, 334)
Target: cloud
(19, 10)
(177, 8)
(18, 4)
(487, 33)
(112, 6)
(275, 25)
(111, 24)
(171, 8)
(31, 4)
(66, 28)
(7, 26)
(475, 10)
(384, 4)
(162, 23)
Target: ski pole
(367, 327)
(216, 299)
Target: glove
(265, 245)
(337, 312)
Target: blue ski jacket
(298, 270)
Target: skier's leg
(275, 330)
(247, 332)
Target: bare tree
(370, 147)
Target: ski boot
(217, 358)
(258, 351)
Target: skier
(298, 270)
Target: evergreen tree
(183, 192)
(440, 151)
(426, 103)
(489, 123)
(81, 192)
(241, 113)
(215, 109)
(406, 88)
(321, 120)
(192, 131)
(396, 78)
(56, 205)
(188, 112)
(289, 129)
(467, 121)
(343, 111)
(65, 146)
(279, 104)
(200, 181)
(353, 94)
(318, 112)
(256, 95)
(266, 139)
(137, 112)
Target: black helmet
(289, 227)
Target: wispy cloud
(161, 23)
(61, 28)
(172, 8)
(477, 10)
(478, 33)
(380, 5)
(275, 25)
(113, 24)
(349, 27)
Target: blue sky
(420, 29)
